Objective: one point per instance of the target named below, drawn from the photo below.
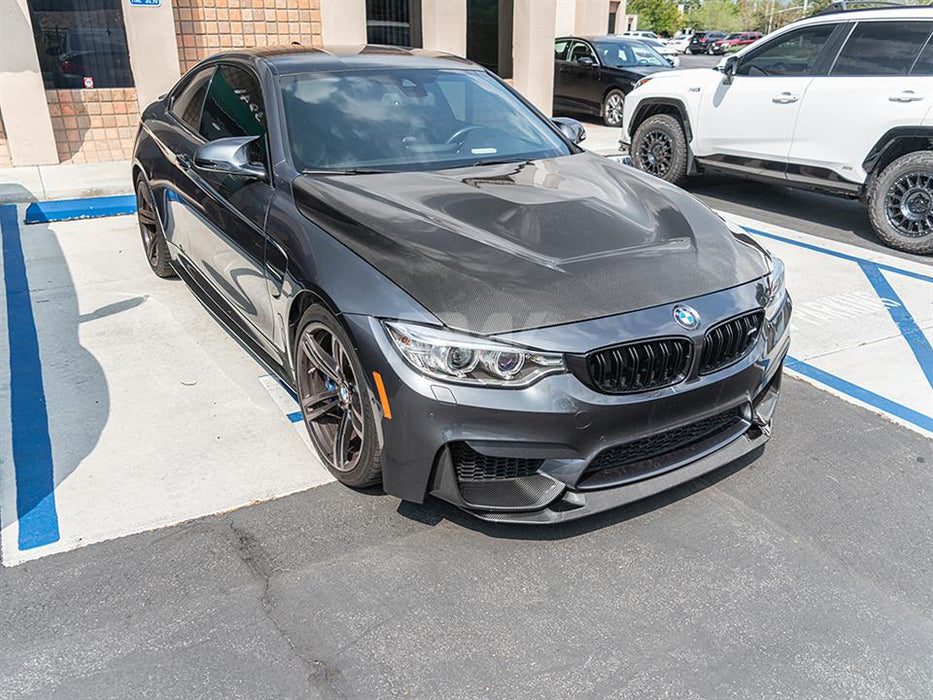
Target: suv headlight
(776, 289)
(470, 360)
(641, 82)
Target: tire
(659, 148)
(900, 203)
(150, 228)
(335, 401)
(710, 51)
(612, 108)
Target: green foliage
(720, 15)
(660, 16)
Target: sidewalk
(72, 180)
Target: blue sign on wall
(146, 3)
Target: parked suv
(733, 41)
(838, 103)
(701, 41)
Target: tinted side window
(186, 105)
(233, 106)
(882, 48)
(924, 64)
(791, 54)
(579, 50)
(560, 49)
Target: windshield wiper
(503, 161)
(348, 171)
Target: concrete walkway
(71, 180)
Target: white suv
(839, 103)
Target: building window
(81, 43)
(489, 35)
(612, 22)
(394, 22)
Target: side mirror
(229, 156)
(728, 66)
(586, 61)
(571, 129)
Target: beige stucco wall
(343, 22)
(22, 94)
(150, 37)
(533, 50)
(591, 17)
(443, 25)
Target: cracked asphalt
(803, 572)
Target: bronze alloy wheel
(328, 391)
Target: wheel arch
(895, 143)
(661, 105)
(301, 302)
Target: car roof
(856, 13)
(285, 60)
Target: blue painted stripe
(29, 420)
(864, 395)
(841, 256)
(87, 208)
(906, 324)
(294, 417)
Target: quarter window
(882, 48)
(795, 53)
(186, 106)
(560, 49)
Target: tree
(722, 15)
(660, 16)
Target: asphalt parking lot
(198, 549)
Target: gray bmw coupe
(466, 304)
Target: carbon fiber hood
(510, 247)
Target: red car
(733, 41)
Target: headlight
(470, 360)
(776, 290)
(642, 82)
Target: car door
(582, 76)
(748, 121)
(561, 73)
(229, 248)
(882, 79)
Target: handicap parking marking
(156, 415)
(863, 322)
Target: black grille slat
(640, 366)
(470, 465)
(728, 342)
(637, 453)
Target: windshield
(416, 119)
(626, 54)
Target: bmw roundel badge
(686, 316)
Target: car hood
(510, 247)
(644, 70)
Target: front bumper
(545, 439)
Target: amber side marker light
(383, 399)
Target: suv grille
(729, 341)
(631, 460)
(470, 465)
(640, 366)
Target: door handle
(906, 96)
(785, 98)
(184, 161)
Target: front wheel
(900, 203)
(659, 147)
(335, 401)
(612, 108)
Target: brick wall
(206, 27)
(93, 126)
(5, 160)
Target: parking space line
(32, 447)
(905, 323)
(856, 392)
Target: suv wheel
(900, 203)
(660, 148)
(612, 108)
